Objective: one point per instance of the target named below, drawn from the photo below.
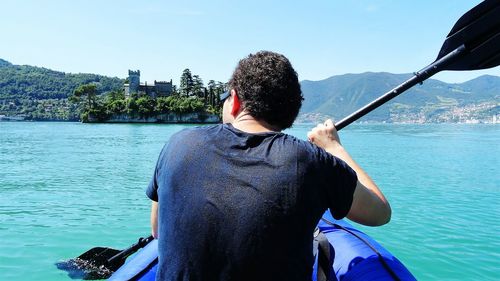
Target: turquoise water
(68, 187)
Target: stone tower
(134, 80)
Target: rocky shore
(197, 117)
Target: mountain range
(432, 101)
(477, 100)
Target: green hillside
(36, 93)
(338, 96)
(30, 82)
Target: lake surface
(68, 187)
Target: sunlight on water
(69, 187)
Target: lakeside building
(157, 89)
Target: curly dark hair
(268, 88)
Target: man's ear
(235, 103)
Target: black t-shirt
(240, 206)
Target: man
(240, 200)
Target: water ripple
(68, 187)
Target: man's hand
(325, 136)
(369, 206)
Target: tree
(145, 106)
(219, 89)
(163, 104)
(86, 96)
(174, 90)
(197, 89)
(211, 92)
(132, 104)
(116, 107)
(186, 85)
(196, 105)
(115, 95)
(89, 91)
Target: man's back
(240, 206)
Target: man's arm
(369, 206)
(154, 219)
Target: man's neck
(247, 123)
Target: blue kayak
(353, 256)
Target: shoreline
(193, 122)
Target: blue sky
(161, 38)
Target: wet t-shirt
(240, 206)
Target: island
(157, 102)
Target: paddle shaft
(419, 77)
(121, 256)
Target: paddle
(99, 262)
(473, 43)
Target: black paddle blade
(99, 254)
(92, 264)
(100, 262)
(473, 43)
(478, 31)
